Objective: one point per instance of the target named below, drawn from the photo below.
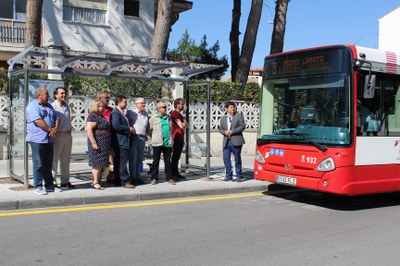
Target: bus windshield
(313, 109)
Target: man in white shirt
(139, 120)
(63, 140)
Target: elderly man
(139, 120)
(63, 141)
(161, 140)
(40, 132)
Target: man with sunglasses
(161, 141)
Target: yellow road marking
(126, 205)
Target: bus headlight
(326, 165)
(260, 158)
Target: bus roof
(381, 61)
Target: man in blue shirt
(41, 129)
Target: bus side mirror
(369, 86)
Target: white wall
(389, 38)
(121, 35)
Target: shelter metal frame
(61, 61)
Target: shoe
(97, 186)
(128, 185)
(227, 179)
(40, 191)
(154, 182)
(172, 182)
(180, 177)
(239, 180)
(53, 189)
(138, 181)
(117, 182)
(67, 186)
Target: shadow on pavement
(333, 201)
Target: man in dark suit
(231, 127)
(122, 130)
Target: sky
(309, 23)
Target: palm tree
(234, 37)
(33, 22)
(278, 33)
(249, 43)
(162, 29)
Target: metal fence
(197, 112)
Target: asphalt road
(295, 228)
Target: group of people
(121, 134)
(117, 136)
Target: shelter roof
(58, 60)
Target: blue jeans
(136, 155)
(42, 162)
(227, 151)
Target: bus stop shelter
(58, 62)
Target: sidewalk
(13, 196)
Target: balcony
(12, 33)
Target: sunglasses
(165, 107)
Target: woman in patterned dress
(98, 130)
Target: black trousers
(176, 155)
(121, 159)
(166, 151)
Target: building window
(13, 9)
(87, 11)
(131, 8)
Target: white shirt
(63, 115)
(138, 120)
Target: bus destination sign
(307, 62)
(313, 63)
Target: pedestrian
(139, 120)
(179, 125)
(63, 141)
(122, 132)
(107, 110)
(98, 130)
(41, 130)
(108, 173)
(232, 125)
(161, 141)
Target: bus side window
(391, 117)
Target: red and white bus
(330, 120)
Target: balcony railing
(12, 33)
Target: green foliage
(189, 51)
(224, 91)
(3, 81)
(91, 86)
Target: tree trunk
(249, 43)
(234, 37)
(278, 34)
(33, 22)
(162, 29)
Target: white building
(107, 26)
(389, 39)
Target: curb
(40, 203)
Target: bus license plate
(286, 180)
